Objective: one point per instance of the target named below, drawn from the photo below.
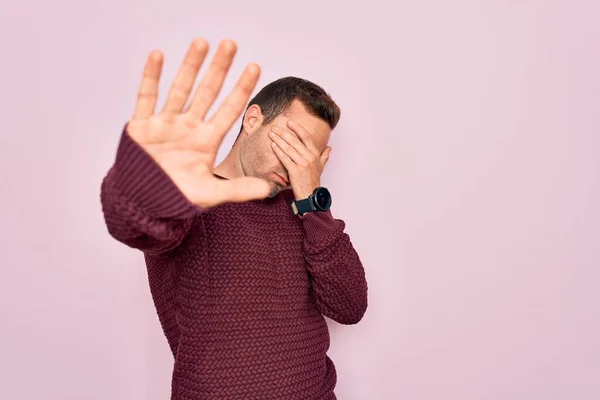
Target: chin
(275, 189)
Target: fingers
(304, 136)
(211, 83)
(235, 103)
(148, 89)
(325, 156)
(242, 189)
(184, 81)
(291, 146)
(286, 160)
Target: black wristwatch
(319, 200)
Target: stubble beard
(252, 169)
(274, 190)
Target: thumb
(242, 189)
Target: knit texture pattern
(241, 290)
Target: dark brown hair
(278, 95)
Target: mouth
(282, 179)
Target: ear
(253, 119)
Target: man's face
(257, 156)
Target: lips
(282, 179)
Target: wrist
(318, 200)
(304, 193)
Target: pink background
(466, 166)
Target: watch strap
(303, 206)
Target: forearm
(142, 207)
(337, 274)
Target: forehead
(316, 127)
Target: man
(243, 259)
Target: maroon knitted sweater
(240, 289)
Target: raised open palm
(181, 141)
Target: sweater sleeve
(337, 275)
(142, 206)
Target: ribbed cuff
(141, 180)
(318, 225)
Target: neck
(231, 166)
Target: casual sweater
(240, 289)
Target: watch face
(323, 198)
